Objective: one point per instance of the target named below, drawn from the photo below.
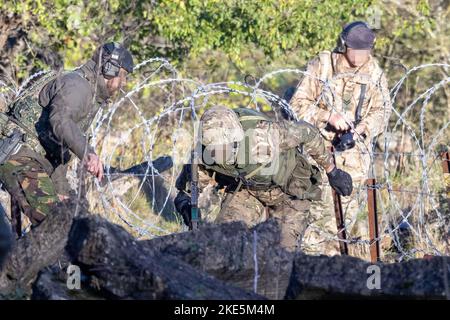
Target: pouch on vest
(10, 145)
(305, 180)
(25, 110)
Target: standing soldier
(345, 95)
(42, 127)
(264, 174)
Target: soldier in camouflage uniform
(53, 123)
(264, 174)
(346, 91)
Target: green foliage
(273, 26)
(178, 29)
(214, 40)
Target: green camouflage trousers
(254, 207)
(31, 189)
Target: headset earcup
(109, 70)
(340, 46)
(105, 69)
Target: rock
(6, 237)
(122, 268)
(38, 249)
(223, 261)
(323, 277)
(226, 251)
(52, 285)
(48, 287)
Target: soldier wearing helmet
(52, 120)
(345, 95)
(258, 163)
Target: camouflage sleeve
(294, 134)
(304, 102)
(380, 109)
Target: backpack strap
(252, 118)
(242, 180)
(245, 114)
(326, 64)
(360, 103)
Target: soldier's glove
(183, 205)
(340, 181)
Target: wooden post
(374, 245)
(339, 215)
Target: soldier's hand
(338, 122)
(341, 182)
(360, 132)
(186, 214)
(183, 205)
(94, 165)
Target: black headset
(341, 45)
(111, 66)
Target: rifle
(195, 211)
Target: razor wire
(166, 125)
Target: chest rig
(23, 114)
(292, 167)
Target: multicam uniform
(57, 120)
(277, 180)
(330, 85)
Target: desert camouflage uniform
(330, 85)
(285, 197)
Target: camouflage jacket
(59, 114)
(329, 84)
(270, 141)
(70, 102)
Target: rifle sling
(246, 177)
(360, 103)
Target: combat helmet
(220, 126)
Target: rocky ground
(226, 261)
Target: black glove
(340, 181)
(183, 205)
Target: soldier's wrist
(330, 168)
(361, 129)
